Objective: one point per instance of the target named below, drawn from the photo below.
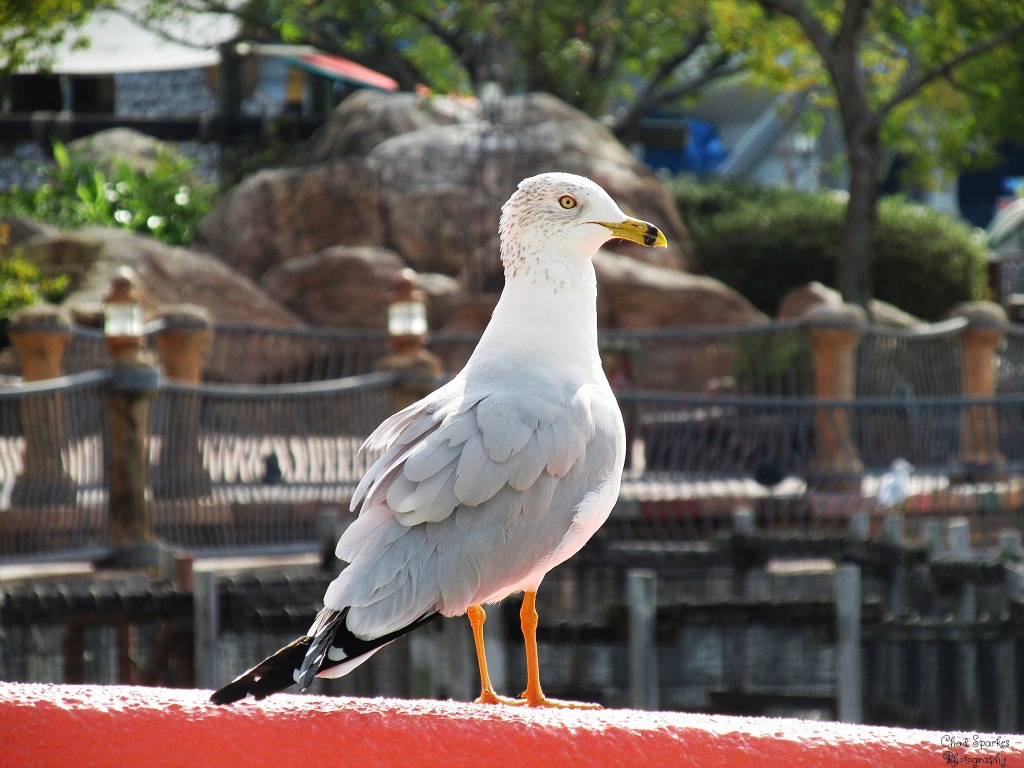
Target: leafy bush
(763, 242)
(166, 202)
(22, 284)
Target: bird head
(564, 215)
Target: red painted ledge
(64, 725)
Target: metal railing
(235, 466)
(815, 467)
(762, 359)
(244, 464)
(52, 475)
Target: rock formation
(418, 182)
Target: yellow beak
(637, 231)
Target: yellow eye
(567, 201)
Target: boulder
(636, 296)
(633, 295)
(341, 287)
(167, 275)
(364, 120)
(15, 230)
(797, 302)
(281, 214)
(426, 177)
(138, 150)
(443, 187)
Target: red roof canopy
(337, 68)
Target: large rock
(167, 276)
(797, 302)
(444, 187)
(364, 120)
(140, 151)
(432, 185)
(15, 230)
(633, 295)
(342, 287)
(283, 214)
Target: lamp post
(407, 313)
(407, 334)
(122, 316)
(133, 380)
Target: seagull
(894, 486)
(500, 475)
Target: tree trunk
(857, 240)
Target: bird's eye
(567, 201)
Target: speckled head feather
(538, 221)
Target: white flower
(183, 196)
(121, 216)
(154, 222)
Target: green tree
(933, 81)
(619, 57)
(30, 27)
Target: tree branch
(854, 14)
(809, 23)
(648, 95)
(913, 84)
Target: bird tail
(329, 650)
(273, 674)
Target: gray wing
(475, 490)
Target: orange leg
(477, 617)
(533, 695)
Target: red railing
(120, 726)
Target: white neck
(540, 303)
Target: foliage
(601, 56)
(28, 28)
(22, 284)
(166, 202)
(932, 77)
(763, 242)
(928, 81)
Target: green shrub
(763, 242)
(166, 202)
(22, 284)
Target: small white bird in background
(497, 477)
(894, 486)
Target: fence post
(418, 367)
(205, 627)
(180, 344)
(980, 457)
(40, 334)
(835, 333)
(641, 585)
(968, 709)
(849, 707)
(133, 380)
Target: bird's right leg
(477, 617)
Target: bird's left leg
(477, 617)
(533, 695)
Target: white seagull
(894, 485)
(494, 479)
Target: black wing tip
(229, 694)
(273, 674)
